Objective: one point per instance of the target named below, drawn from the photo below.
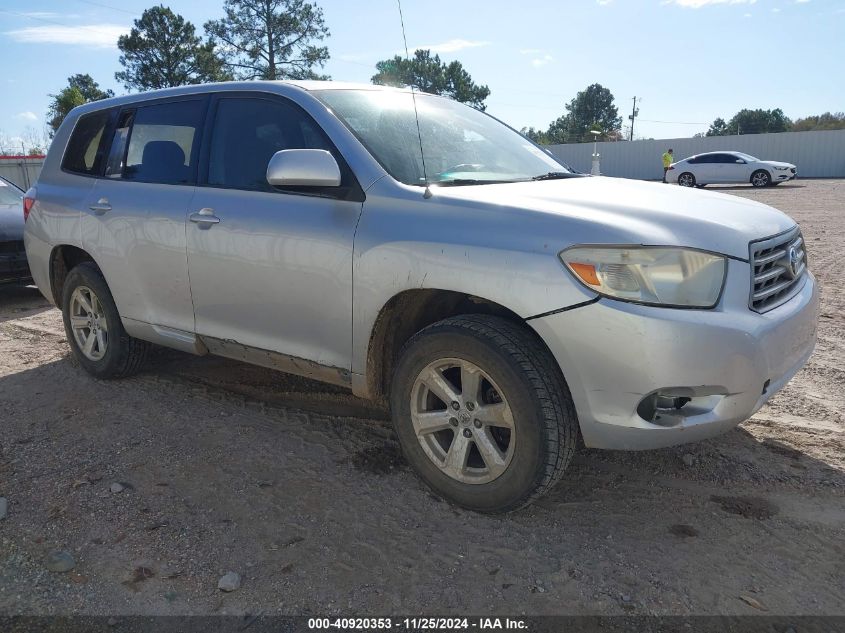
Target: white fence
(21, 170)
(817, 154)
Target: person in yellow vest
(668, 157)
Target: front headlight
(781, 168)
(665, 276)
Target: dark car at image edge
(14, 268)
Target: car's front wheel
(93, 327)
(686, 179)
(483, 413)
(761, 178)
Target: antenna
(427, 193)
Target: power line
(675, 122)
(108, 6)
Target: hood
(776, 163)
(11, 222)
(601, 210)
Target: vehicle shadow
(734, 461)
(330, 500)
(748, 187)
(21, 301)
(267, 386)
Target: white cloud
(453, 46)
(603, 3)
(27, 116)
(89, 35)
(41, 14)
(776, 10)
(530, 51)
(541, 61)
(697, 4)
(801, 1)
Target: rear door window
(85, 149)
(163, 143)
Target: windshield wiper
(556, 175)
(457, 182)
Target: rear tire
(761, 178)
(509, 428)
(93, 327)
(686, 179)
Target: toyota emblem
(794, 261)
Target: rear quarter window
(84, 153)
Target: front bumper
(782, 175)
(14, 267)
(728, 360)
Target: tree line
(255, 39)
(761, 121)
(285, 39)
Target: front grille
(778, 269)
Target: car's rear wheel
(483, 413)
(761, 178)
(686, 179)
(93, 327)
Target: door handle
(101, 207)
(204, 217)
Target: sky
(689, 61)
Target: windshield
(8, 194)
(461, 145)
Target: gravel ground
(301, 490)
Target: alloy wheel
(463, 421)
(760, 179)
(88, 323)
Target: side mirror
(740, 161)
(303, 168)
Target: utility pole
(633, 116)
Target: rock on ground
(229, 582)
(59, 561)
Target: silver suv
(420, 252)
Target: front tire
(686, 179)
(483, 413)
(93, 327)
(761, 178)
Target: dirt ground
(301, 490)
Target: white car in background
(729, 167)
